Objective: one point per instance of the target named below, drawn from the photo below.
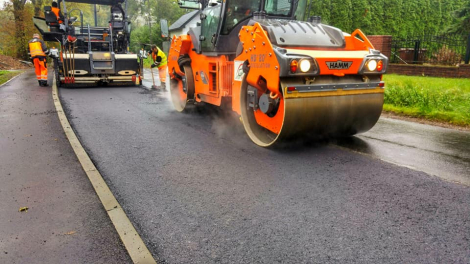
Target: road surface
(199, 191)
(65, 221)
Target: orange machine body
(215, 77)
(282, 76)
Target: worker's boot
(163, 85)
(40, 82)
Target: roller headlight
(305, 65)
(299, 65)
(372, 65)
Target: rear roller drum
(182, 90)
(258, 110)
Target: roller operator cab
(285, 77)
(91, 54)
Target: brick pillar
(382, 43)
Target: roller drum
(317, 117)
(182, 90)
(331, 115)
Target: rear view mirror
(189, 4)
(164, 28)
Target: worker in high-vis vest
(38, 52)
(160, 61)
(55, 9)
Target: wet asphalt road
(198, 190)
(65, 222)
(440, 152)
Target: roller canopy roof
(98, 2)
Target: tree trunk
(37, 7)
(18, 14)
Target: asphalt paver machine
(91, 54)
(285, 77)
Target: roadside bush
(445, 55)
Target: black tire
(57, 78)
(56, 72)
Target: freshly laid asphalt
(65, 222)
(440, 152)
(198, 190)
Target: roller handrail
(111, 40)
(81, 18)
(89, 39)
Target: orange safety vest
(35, 48)
(56, 11)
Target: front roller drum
(310, 117)
(182, 90)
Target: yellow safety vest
(161, 54)
(35, 48)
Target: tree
(38, 4)
(341, 12)
(17, 26)
(145, 16)
(462, 20)
(394, 17)
(19, 15)
(7, 40)
(392, 14)
(361, 18)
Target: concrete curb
(129, 236)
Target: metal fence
(445, 49)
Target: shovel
(153, 79)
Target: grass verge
(438, 99)
(5, 76)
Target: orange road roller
(285, 77)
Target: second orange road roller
(285, 77)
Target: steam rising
(224, 123)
